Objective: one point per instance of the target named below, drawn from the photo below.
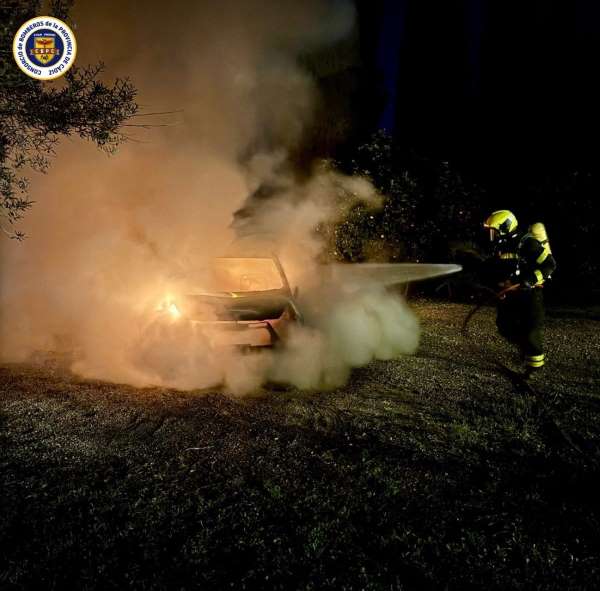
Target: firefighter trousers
(520, 320)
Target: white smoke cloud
(346, 330)
(109, 238)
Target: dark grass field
(437, 471)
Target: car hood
(236, 306)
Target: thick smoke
(351, 329)
(110, 238)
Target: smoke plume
(111, 237)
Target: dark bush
(431, 213)
(427, 208)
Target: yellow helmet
(501, 222)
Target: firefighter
(520, 265)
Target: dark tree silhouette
(34, 115)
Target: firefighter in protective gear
(520, 265)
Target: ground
(438, 471)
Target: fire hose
(517, 379)
(494, 296)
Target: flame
(174, 311)
(170, 307)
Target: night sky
(502, 88)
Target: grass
(429, 472)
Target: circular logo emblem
(44, 48)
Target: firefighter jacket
(524, 259)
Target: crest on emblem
(44, 49)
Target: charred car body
(250, 304)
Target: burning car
(250, 303)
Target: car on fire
(250, 303)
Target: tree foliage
(430, 213)
(34, 115)
(427, 207)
